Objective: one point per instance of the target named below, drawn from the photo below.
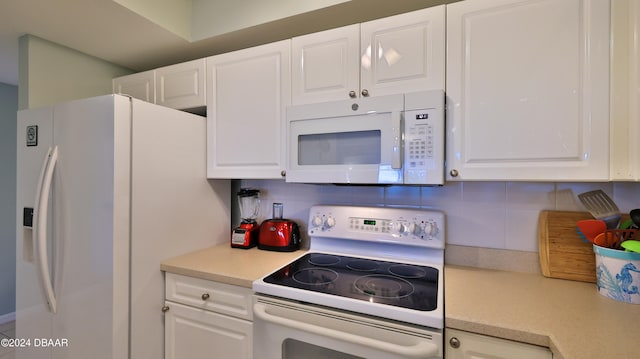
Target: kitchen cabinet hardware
(283, 173)
(454, 173)
(454, 342)
(365, 93)
(165, 309)
(205, 296)
(352, 94)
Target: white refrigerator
(108, 187)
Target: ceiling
(110, 31)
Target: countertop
(569, 317)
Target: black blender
(246, 234)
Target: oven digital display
(370, 222)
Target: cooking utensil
(601, 240)
(635, 216)
(626, 224)
(632, 246)
(590, 228)
(601, 207)
(614, 237)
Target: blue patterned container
(618, 274)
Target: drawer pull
(454, 342)
(205, 296)
(165, 309)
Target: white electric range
(371, 286)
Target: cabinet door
(181, 86)
(528, 90)
(625, 94)
(326, 65)
(465, 345)
(192, 333)
(403, 53)
(141, 85)
(247, 96)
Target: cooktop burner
(403, 285)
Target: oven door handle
(420, 350)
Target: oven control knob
(316, 221)
(330, 222)
(399, 228)
(415, 228)
(431, 229)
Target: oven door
(286, 329)
(356, 141)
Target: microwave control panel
(424, 146)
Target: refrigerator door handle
(40, 227)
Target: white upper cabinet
(397, 54)
(248, 91)
(182, 85)
(403, 53)
(625, 91)
(528, 90)
(141, 85)
(325, 65)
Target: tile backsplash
(497, 215)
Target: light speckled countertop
(569, 317)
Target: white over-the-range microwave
(394, 139)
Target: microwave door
(363, 148)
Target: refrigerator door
(92, 246)
(33, 318)
(88, 251)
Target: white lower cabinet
(205, 319)
(464, 345)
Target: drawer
(217, 297)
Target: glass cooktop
(403, 285)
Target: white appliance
(115, 186)
(394, 139)
(371, 286)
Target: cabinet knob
(352, 94)
(283, 173)
(365, 92)
(454, 173)
(165, 309)
(454, 342)
(205, 296)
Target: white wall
(500, 215)
(51, 73)
(8, 119)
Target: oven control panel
(379, 224)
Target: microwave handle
(396, 159)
